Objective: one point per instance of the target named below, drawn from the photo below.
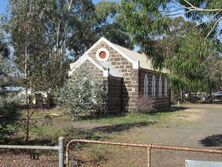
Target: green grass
(130, 118)
(50, 124)
(122, 128)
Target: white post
(61, 152)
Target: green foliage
(171, 43)
(205, 4)
(42, 32)
(4, 68)
(81, 95)
(110, 23)
(8, 116)
(206, 12)
(34, 38)
(146, 25)
(187, 55)
(90, 22)
(187, 62)
(143, 19)
(213, 73)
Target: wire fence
(120, 154)
(59, 149)
(152, 153)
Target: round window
(102, 54)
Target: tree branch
(213, 27)
(191, 7)
(207, 20)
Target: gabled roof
(135, 63)
(105, 67)
(144, 62)
(138, 60)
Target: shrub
(144, 104)
(82, 95)
(8, 115)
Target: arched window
(146, 84)
(160, 87)
(153, 86)
(165, 87)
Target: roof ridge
(142, 54)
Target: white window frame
(146, 86)
(165, 87)
(153, 86)
(160, 92)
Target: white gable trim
(105, 72)
(135, 63)
(85, 55)
(83, 58)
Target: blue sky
(3, 6)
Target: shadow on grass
(102, 132)
(122, 114)
(177, 108)
(212, 141)
(121, 127)
(91, 134)
(171, 110)
(101, 116)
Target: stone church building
(126, 74)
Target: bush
(8, 115)
(144, 104)
(81, 95)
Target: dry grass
(132, 128)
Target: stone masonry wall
(112, 86)
(159, 103)
(130, 77)
(123, 92)
(94, 72)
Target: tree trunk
(27, 125)
(27, 122)
(181, 95)
(209, 86)
(26, 97)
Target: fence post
(61, 152)
(149, 156)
